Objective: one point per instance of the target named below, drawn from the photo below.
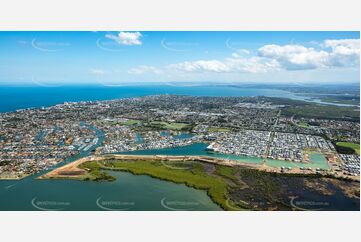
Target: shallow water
(128, 192)
(317, 159)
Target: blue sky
(123, 57)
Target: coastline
(217, 183)
(70, 170)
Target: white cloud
(126, 38)
(334, 53)
(295, 57)
(251, 65)
(229, 65)
(200, 66)
(270, 58)
(350, 44)
(144, 69)
(344, 53)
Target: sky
(125, 57)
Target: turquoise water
(164, 133)
(183, 136)
(317, 160)
(138, 138)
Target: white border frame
(182, 15)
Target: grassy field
(303, 125)
(94, 173)
(227, 172)
(355, 147)
(128, 122)
(131, 122)
(196, 177)
(170, 126)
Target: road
(270, 140)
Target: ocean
(14, 98)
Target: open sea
(14, 98)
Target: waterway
(128, 192)
(317, 159)
(136, 193)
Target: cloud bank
(343, 53)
